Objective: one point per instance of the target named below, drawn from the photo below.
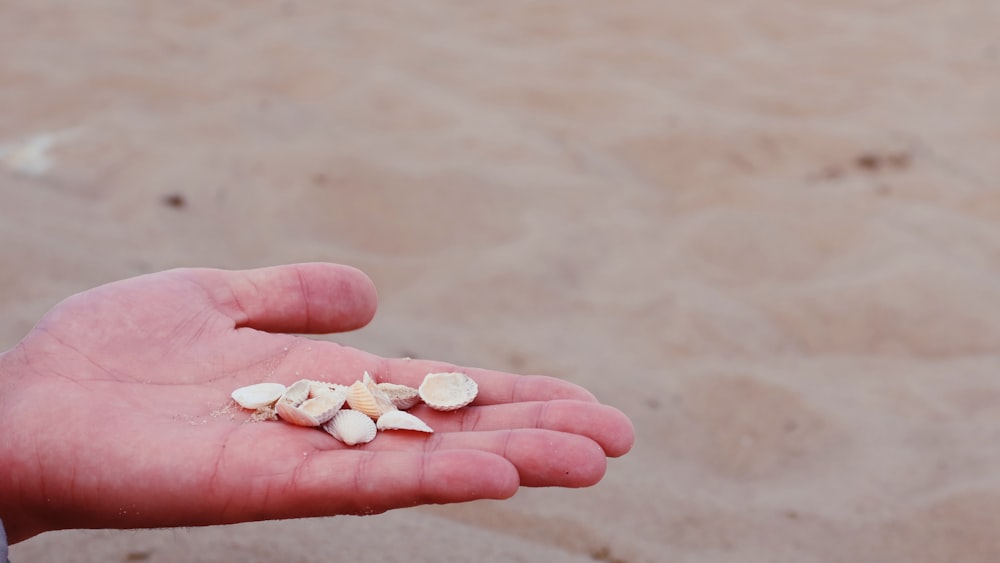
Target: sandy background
(768, 231)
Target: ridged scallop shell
(324, 405)
(294, 414)
(448, 391)
(296, 393)
(351, 427)
(400, 420)
(314, 411)
(362, 400)
(365, 396)
(403, 396)
(259, 395)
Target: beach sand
(767, 231)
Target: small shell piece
(400, 420)
(351, 427)
(448, 391)
(403, 396)
(259, 395)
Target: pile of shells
(370, 406)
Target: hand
(110, 411)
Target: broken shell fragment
(402, 396)
(448, 391)
(351, 427)
(258, 395)
(400, 420)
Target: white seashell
(296, 393)
(318, 387)
(403, 396)
(314, 411)
(400, 420)
(294, 414)
(351, 427)
(259, 395)
(448, 391)
(323, 406)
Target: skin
(113, 411)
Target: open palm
(115, 411)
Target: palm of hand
(112, 408)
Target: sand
(767, 231)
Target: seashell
(351, 427)
(294, 414)
(296, 393)
(318, 387)
(383, 400)
(258, 395)
(448, 391)
(400, 420)
(361, 399)
(402, 396)
(366, 397)
(314, 411)
(324, 405)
